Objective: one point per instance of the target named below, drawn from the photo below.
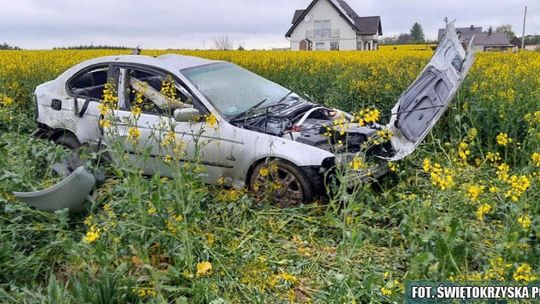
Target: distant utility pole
(523, 33)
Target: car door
(160, 138)
(423, 103)
(85, 93)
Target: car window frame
(164, 73)
(84, 71)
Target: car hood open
(423, 103)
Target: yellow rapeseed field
(464, 206)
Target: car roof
(171, 62)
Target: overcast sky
(255, 23)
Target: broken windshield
(233, 90)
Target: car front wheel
(281, 182)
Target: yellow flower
(472, 133)
(368, 116)
(518, 186)
(440, 177)
(169, 138)
(524, 273)
(264, 172)
(503, 139)
(151, 210)
(167, 158)
(204, 268)
(136, 111)
(6, 101)
(426, 165)
(474, 192)
(288, 277)
(393, 166)
(463, 150)
(493, 157)
(502, 172)
(385, 134)
(103, 108)
(133, 134)
(482, 210)
(211, 120)
(109, 95)
(525, 221)
(229, 195)
(138, 98)
(536, 159)
(358, 164)
(168, 88)
(210, 239)
(497, 270)
(386, 291)
(105, 123)
(92, 235)
(146, 293)
(173, 222)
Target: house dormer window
(322, 29)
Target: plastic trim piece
(70, 193)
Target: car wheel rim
(281, 185)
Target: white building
(333, 25)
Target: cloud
(194, 23)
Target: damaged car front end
(357, 140)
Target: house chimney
(472, 27)
(490, 30)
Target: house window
(322, 29)
(334, 46)
(320, 46)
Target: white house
(333, 25)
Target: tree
(6, 46)
(507, 30)
(223, 43)
(404, 38)
(389, 40)
(417, 33)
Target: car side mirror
(186, 115)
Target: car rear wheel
(68, 140)
(281, 182)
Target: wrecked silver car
(253, 119)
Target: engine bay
(328, 129)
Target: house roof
(493, 39)
(297, 15)
(345, 9)
(481, 38)
(362, 25)
(369, 25)
(464, 31)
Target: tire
(68, 140)
(282, 182)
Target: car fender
(259, 146)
